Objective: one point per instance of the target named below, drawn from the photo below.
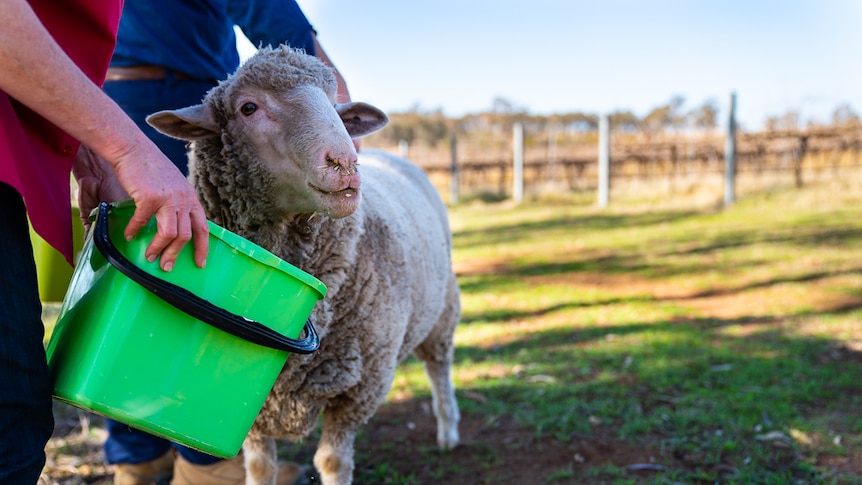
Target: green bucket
(180, 355)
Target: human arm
(38, 74)
(342, 95)
(274, 22)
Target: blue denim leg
(196, 457)
(140, 99)
(26, 421)
(129, 445)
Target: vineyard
(669, 164)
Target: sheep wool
(272, 160)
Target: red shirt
(35, 156)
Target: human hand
(158, 188)
(96, 183)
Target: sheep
(271, 159)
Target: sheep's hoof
(448, 441)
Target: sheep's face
(297, 139)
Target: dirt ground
(397, 446)
(500, 452)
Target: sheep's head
(280, 108)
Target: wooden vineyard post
(730, 154)
(453, 173)
(604, 160)
(518, 168)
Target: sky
(596, 56)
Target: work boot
(228, 472)
(153, 472)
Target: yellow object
(228, 472)
(158, 470)
(52, 270)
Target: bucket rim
(264, 256)
(246, 247)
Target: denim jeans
(140, 99)
(26, 420)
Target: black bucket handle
(189, 303)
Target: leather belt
(142, 73)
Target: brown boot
(227, 472)
(153, 472)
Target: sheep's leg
(437, 353)
(444, 404)
(261, 464)
(334, 456)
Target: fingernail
(151, 257)
(204, 263)
(168, 267)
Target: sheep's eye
(248, 108)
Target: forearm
(343, 93)
(37, 73)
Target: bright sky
(557, 56)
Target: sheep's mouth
(347, 192)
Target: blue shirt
(196, 37)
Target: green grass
(714, 345)
(727, 341)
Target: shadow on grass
(505, 234)
(585, 334)
(715, 400)
(655, 259)
(487, 285)
(663, 265)
(505, 315)
(701, 406)
(703, 396)
(816, 236)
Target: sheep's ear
(361, 119)
(191, 123)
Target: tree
(665, 116)
(624, 121)
(790, 120)
(705, 116)
(416, 125)
(845, 116)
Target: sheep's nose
(343, 164)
